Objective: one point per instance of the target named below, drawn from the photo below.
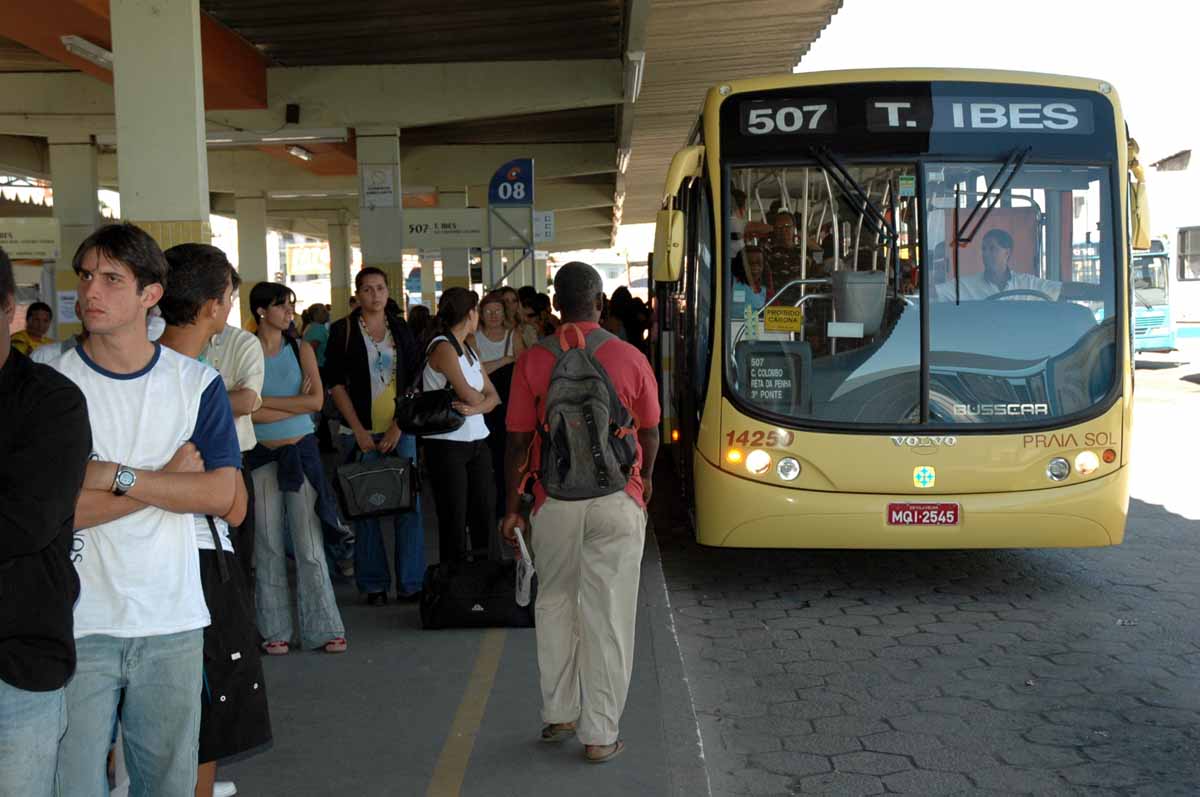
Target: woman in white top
(460, 462)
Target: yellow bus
(876, 329)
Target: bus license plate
(922, 514)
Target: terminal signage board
(444, 228)
(30, 239)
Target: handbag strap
(222, 566)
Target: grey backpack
(588, 437)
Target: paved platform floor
(442, 713)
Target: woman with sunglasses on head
(289, 485)
(373, 357)
(499, 347)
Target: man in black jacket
(45, 438)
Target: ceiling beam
(235, 72)
(406, 95)
(247, 171)
(24, 156)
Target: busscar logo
(913, 441)
(991, 410)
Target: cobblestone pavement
(955, 672)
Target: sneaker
(224, 788)
(377, 599)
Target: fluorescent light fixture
(623, 159)
(92, 53)
(299, 152)
(635, 67)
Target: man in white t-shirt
(996, 276)
(238, 357)
(164, 449)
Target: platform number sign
(512, 184)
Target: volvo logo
(913, 441)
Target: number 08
(787, 119)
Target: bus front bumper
(1154, 342)
(735, 512)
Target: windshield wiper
(854, 193)
(1145, 303)
(1015, 161)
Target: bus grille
(1142, 322)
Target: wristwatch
(124, 480)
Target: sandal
(276, 648)
(592, 755)
(336, 645)
(558, 732)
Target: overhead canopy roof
(470, 83)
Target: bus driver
(996, 276)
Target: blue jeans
(161, 679)
(31, 726)
(370, 554)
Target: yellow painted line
(456, 753)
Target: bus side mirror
(1140, 205)
(668, 246)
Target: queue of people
(155, 545)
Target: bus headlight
(788, 469)
(1160, 331)
(1058, 469)
(1086, 463)
(758, 462)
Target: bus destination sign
(788, 116)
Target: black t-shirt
(46, 439)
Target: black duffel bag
(474, 594)
(386, 486)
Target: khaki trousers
(588, 556)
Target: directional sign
(543, 225)
(437, 228)
(512, 184)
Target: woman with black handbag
(459, 462)
(371, 359)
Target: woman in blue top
(286, 495)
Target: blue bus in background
(1153, 326)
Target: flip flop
(276, 648)
(557, 732)
(336, 645)
(617, 749)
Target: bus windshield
(831, 265)
(1150, 279)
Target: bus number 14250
(760, 438)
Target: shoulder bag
(427, 412)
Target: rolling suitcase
(479, 593)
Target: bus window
(1023, 327)
(1189, 253)
(826, 278)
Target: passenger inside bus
(749, 288)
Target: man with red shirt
(589, 551)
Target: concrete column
(541, 280)
(251, 214)
(77, 209)
(339, 266)
(428, 282)
(162, 162)
(456, 268)
(523, 275)
(379, 198)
